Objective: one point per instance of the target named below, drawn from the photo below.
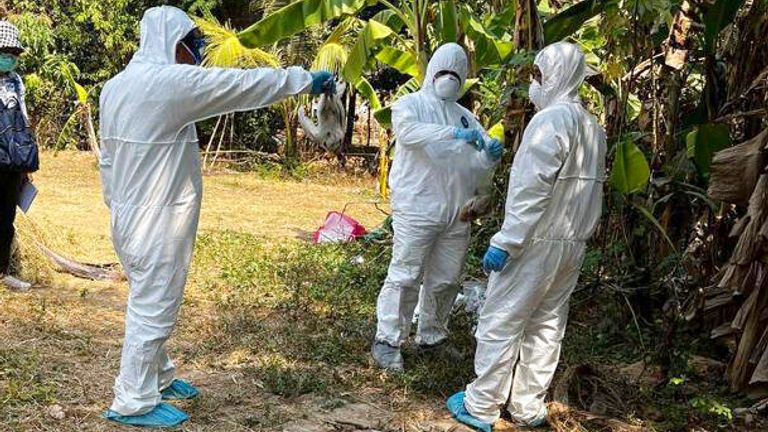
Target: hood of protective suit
(449, 57)
(563, 70)
(161, 30)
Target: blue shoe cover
(163, 415)
(455, 405)
(180, 390)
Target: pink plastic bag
(338, 227)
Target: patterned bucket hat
(9, 37)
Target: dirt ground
(61, 341)
(274, 333)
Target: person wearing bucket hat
(18, 151)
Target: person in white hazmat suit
(442, 155)
(554, 203)
(152, 183)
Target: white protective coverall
(432, 176)
(553, 205)
(150, 169)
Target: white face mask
(536, 94)
(447, 87)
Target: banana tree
(399, 36)
(82, 114)
(224, 49)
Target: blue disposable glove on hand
(323, 82)
(494, 259)
(495, 149)
(472, 136)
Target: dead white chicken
(480, 204)
(329, 131)
(477, 207)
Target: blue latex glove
(494, 259)
(495, 149)
(472, 136)
(323, 82)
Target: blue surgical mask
(8, 63)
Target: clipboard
(27, 196)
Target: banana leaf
(369, 38)
(405, 62)
(448, 21)
(570, 20)
(295, 18)
(368, 92)
(489, 51)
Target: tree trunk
(350, 132)
(529, 36)
(93, 140)
(739, 172)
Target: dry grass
(276, 334)
(61, 341)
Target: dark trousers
(10, 185)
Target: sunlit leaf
(468, 84)
(489, 51)
(224, 49)
(369, 93)
(405, 62)
(295, 18)
(630, 168)
(331, 57)
(368, 39)
(448, 21)
(634, 105)
(82, 94)
(390, 19)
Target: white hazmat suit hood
(563, 71)
(553, 205)
(152, 183)
(447, 58)
(433, 175)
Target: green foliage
(306, 314)
(22, 381)
(369, 93)
(295, 18)
(717, 17)
(489, 50)
(403, 61)
(630, 168)
(448, 21)
(369, 37)
(704, 141)
(571, 19)
(706, 405)
(224, 49)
